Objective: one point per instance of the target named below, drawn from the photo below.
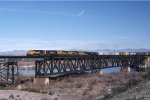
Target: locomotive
(59, 52)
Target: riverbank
(23, 95)
(79, 87)
(141, 91)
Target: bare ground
(74, 87)
(23, 95)
(138, 92)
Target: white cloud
(58, 13)
(25, 44)
(8, 44)
(63, 13)
(10, 10)
(81, 13)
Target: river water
(32, 72)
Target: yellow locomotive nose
(34, 52)
(30, 52)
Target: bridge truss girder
(9, 72)
(58, 66)
(47, 66)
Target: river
(32, 72)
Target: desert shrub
(18, 95)
(132, 98)
(43, 92)
(11, 96)
(92, 82)
(85, 92)
(51, 93)
(44, 98)
(55, 99)
(119, 89)
(126, 76)
(141, 98)
(132, 82)
(63, 85)
(109, 80)
(107, 96)
(79, 84)
(109, 76)
(90, 88)
(90, 97)
(31, 90)
(87, 97)
(70, 79)
(4, 99)
(146, 76)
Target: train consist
(59, 52)
(78, 53)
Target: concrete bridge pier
(97, 71)
(41, 81)
(125, 68)
(146, 65)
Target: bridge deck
(70, 56)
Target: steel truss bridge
(46, 66)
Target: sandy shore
(24, 95)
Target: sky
(64, 25)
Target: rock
(18, 95)
(19, 87)
(11, 96)
(51, 93)
(100, 97)
(55, 99)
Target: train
(59, 52)
(79, 53)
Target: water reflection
(109, 70)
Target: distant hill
(115, 50)
(123, 50)
(14, 52)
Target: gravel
(23, 95)
(139, 92)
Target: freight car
(134, 53)
(142, 53)
(59, 52)
(123, 53)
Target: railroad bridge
(46, 66)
